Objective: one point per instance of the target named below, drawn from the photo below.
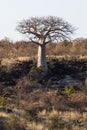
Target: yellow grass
(3, 114)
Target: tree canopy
(48, 28)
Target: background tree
(44, 30)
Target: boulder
(67, 81)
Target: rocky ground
(53, 102)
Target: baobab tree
(44, 30)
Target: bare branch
(36, 42)
(48, 28)
(47, 42)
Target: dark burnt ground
(10, 77)
(12, 85)
(75, 68)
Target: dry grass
(79, 97)
(44, 104)
(66, 120)
(11, 61)
(3, 114)
(10, 121)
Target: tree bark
(42, 56)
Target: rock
(36, 85)
(67, 81)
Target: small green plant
(85, 87)
(69, 90)
(2, 101)
(37, 73)
(86, 81)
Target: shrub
(69, 90)
(85, 87)
(2, 101)
(86, 81)
(37, 74)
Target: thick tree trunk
(42, 57)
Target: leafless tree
(44, 30)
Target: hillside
(32, 99)
(38, 101)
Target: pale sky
(13, 11)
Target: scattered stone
(36, 85)
(67, 81)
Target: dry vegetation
(8, 49)
(28, 101)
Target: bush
(86, 81)
(85, 87)
(69, 90)
(2, 101)
(37, 74)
